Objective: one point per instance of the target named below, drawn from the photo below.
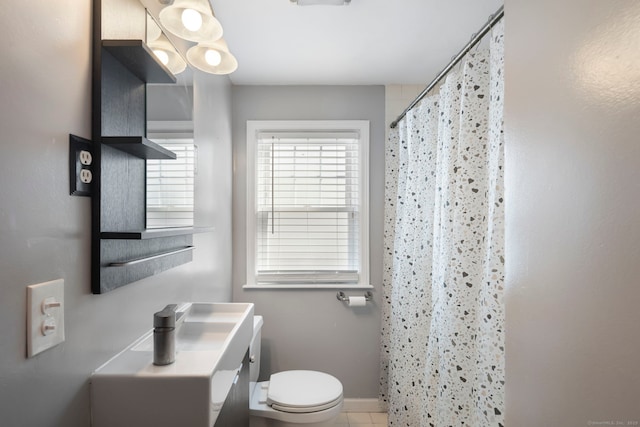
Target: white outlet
(45, 316)
(80, 166)
(85, 157)
(86, 176)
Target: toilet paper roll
(357, 301)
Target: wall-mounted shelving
(122, 67)
(139, 146)
(130, 262)
(139, 60)
(154, 233)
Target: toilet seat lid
(296, 391)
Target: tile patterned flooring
(362, 419)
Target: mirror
(170, 183)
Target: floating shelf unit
(154, 233)
(138, 146)
(139, 60)
(122, 249)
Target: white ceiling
(366, 42)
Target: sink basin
(219, 312)
(194, 336)
(211, 342)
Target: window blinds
(170, 185)
(308, 208)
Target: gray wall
(45, 77)
(179, 108)
(311, 329)
(572, 212)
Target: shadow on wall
(265, 359)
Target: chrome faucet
(164, 336)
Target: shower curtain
(443, 315)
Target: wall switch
(80, 166)
(45, 316)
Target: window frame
(257, 127)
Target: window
(307, 218)
(170, 183)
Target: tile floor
(362, 419)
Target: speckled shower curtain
(443, 314)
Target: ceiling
(366, 42)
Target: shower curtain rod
(493, 19)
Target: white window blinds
(170, 185)
(308, 212)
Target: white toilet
(291, 398)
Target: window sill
(307, 286)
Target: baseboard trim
(363, 405)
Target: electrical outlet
(85, 157)
(80, 166)
(86, 176)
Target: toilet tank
(254, 349)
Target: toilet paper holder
(344, 298)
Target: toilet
(291, 398)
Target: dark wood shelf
(139, 59)
(153, 233)
(139, 146)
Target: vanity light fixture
(194, 22)
(212, 57)
(167, 54)
(191, 20)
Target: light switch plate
(45, 316)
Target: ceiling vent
(321, 2)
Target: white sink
(194, 336)
(220, 312)
(211, 341)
